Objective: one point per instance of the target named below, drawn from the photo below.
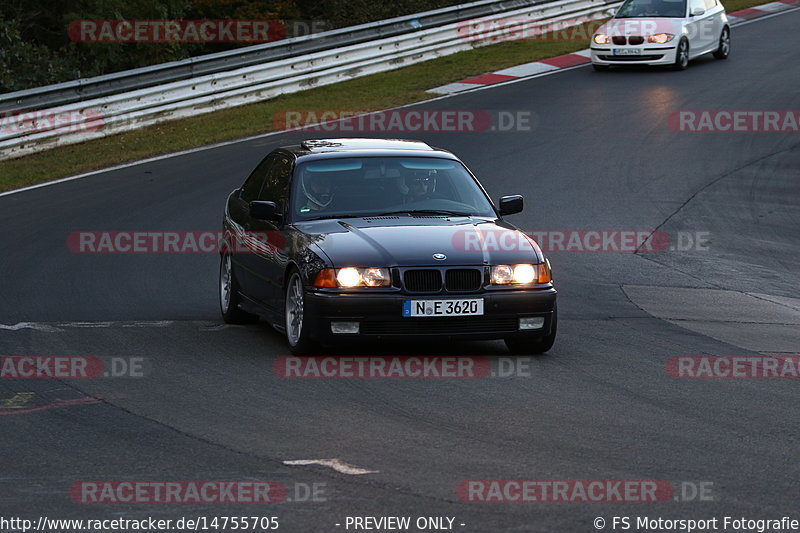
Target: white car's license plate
(471, 307)
(627, 51)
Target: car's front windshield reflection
(652, 8)
(373, 186)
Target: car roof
(363, 147)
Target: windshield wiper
(443, 212)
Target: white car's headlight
(660, 38)
(601, 38)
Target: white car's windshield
(371, 186)
(652, 8)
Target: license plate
(627, 51)
(425, 308)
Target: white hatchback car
(662, 32)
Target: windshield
(372, 186)
(652, 8)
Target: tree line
(39, 47)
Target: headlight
(660, 38)
(376, 277)
(520, 274)
(602, 38)
(350, 277)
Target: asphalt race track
(600, 405)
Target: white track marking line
(86, 324)
(336, 464)
(49, 328)
(271, 133)
(30, 325)
(133, 324)
(148, 324)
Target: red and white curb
(513, 73)
(737, 17)
(582, 57)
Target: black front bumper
(381, 315)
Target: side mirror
(264, 211)
(696, 12)
(511, 204)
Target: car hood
(413, 241)
(642, 26)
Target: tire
(229, 294)
(525, 346)
(297, 336)
(600, 68)
(724, 49)
(682, 55)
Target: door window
(252, 187)
(276, 186)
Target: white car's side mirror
(696, 12)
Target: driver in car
(420, 185)
(318, 190)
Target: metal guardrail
(129, 80)
(152, 104)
